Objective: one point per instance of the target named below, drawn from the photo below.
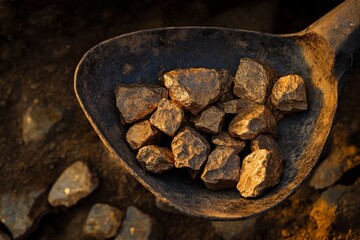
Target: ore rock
(102, 222)
(138, 225)
(253, 81)
(251, 122)
(193, 88)
(257, 173)
(190, 149)
(227, 82)
(238, 105)
(222, 169)
(74, 183)
(155, 159)
(289, 95)
(225, 140)
(167, 117)
(269, 143)
(141, 134)
(210, 120)
(137, 101)
(275, 112)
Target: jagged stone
(210, 120)
(141, 134)
(155, 159)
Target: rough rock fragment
(74, 183)
(224, 139)
(289, 95)
(138, 225)
(136, 101)
(257, 173)
(253, 81)
(38, 120)
(155, 159)
(251, 122)
(222, 169)
(238, 105)
(266, 142)
(102, 222)
(275, 112)
(193, 88)
(227, 82)
(190, 149)
(167, 117)
(210, 120)
(141, 134)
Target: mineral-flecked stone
(253, 81)
(269, 143)
(167, 117)
(155, 159)
(222, 169)
(224, 139)
(190, 149)
(227, 82)
(210, 120)
(74, 183)
(251, 122)
(136, 101)
(102, 222)
(289, 95)
(257, 173)
(141, 134)
(138, 225)
(193, 88)
(238, 105)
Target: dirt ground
(41, 43)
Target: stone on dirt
(224, 139)
(210, 120)
(102, 222)
(74, 183)
(141, 134)
(190, 149)
(137, 101)
(155, 159)
(167, 117)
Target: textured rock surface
(74, 183)
(257, 173)
(155, 159)
(102, 222)
(289, 94)
(20, 211)
(253, 80)
(190, 149)
(141, 134)
(251, 122)
(227, 83)
(232, 230)
(138, 225)
(137, 101)
(224, 139)
(236, 106)
(38, 121)
(210, 120)
(167, 117)
(266, 142)
(222, 169)
(193, 88)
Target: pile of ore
(211, 116)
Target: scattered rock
(4, 236)
(138, 225)
(193, 88)
(19, 212)
(210, 120)
(251, 122)
(141, 134)
(38, 120)
(190, 149)
(102, 222)
(267, 142)
(224, 139)
(155, 159)
(253, 81)
(74, 183)
(137, 101)
(165, 207)
(232, 230)
(289, 95)
(238, 105)
(222, 169)
(257, 173)
(167, 117)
